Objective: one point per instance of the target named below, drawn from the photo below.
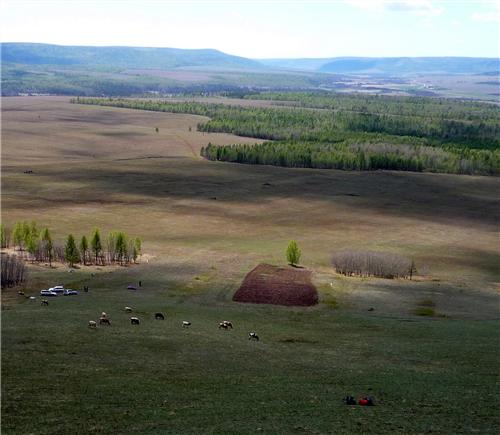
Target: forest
(352, 132)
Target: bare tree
(373, 263)
(13, 270)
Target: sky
(264, 29)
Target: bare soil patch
(276, 285)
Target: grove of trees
(13, 270)
(37, 246)
(373, 263)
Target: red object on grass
(363, 402)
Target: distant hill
(172, 58)
(412, 65)
(391, 65)
(300, 64)
(33, 69)
(124, 57)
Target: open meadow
(204, 225)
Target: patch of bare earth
(276, 285)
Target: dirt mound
(268, 284)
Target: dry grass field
(204, 225)
(107, 167)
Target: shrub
(372, 263)
(424, 311)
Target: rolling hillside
(124, 57)
(34, 69)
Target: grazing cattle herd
(104, 318)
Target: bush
(424, 311)
(372, 263)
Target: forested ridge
(442, 108)
(349, 131)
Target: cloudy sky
(264, 29)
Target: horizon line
(253, 58)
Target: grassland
(107, 167)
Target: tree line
(466, 124)
(38, 246)
(346, 138)
(423, 107)
(353, 156)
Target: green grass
(59, 376)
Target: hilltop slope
(124, 57)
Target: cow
(104, 321)
(44, 302)
(228, 323)
(128, 309)
(223, 325)
(135, 321)
(159, 316)
(92, 324)
(253, 336)
(186, 324)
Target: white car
(57, 289)
(47, 293)
(69, 292)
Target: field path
(188, 145)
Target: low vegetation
(373, 263)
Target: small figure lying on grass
(364, 401)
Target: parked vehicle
(57, 289)
(69, 292)
(48, 293)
